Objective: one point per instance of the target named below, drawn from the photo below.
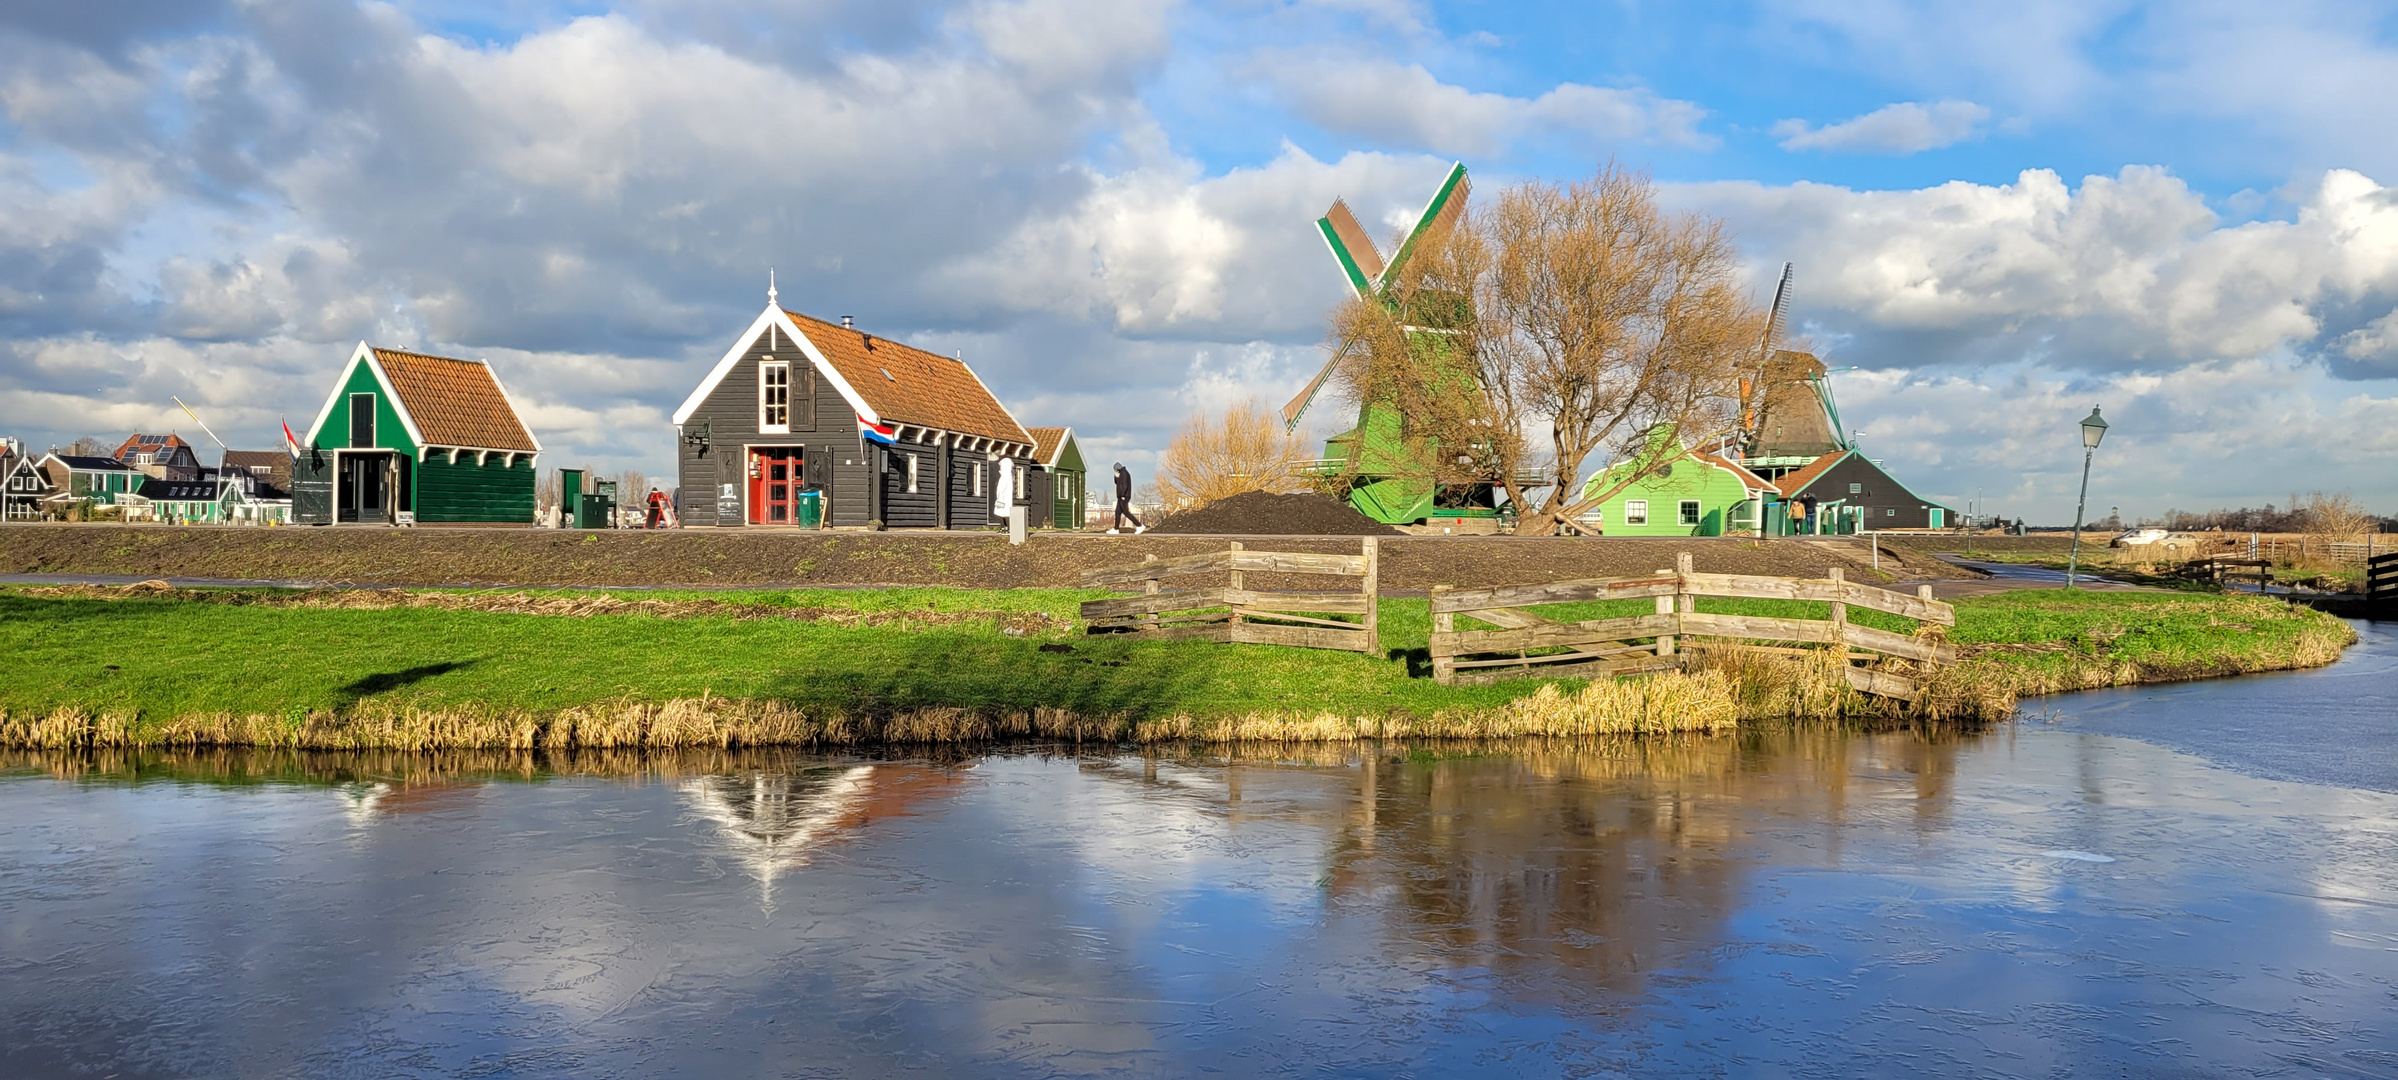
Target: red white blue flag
(290, 445)
(885, 434)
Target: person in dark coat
(1124, 503)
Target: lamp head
(2094, 428)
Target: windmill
(1787, 415)
(1373, 446)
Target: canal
(2186, 880)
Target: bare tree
(2336, 516)
(1215, 457)
(1583, 309)
(89, 446)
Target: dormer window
(774, 397)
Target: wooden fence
(2222, 571)
(1618, 646)
(2381, 579)
(1239, 613)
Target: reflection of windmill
(1375, 450)
(774, 821)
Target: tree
(1583, 309)
(89, 446)
(1242, 450)
(2336, 516)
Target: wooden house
(406, 438)
(1847, 492)
(74, 478)
(188, 502)
(164, 457)
(884, 435)
(22, 488)
(1699, 494)
(1057, 458)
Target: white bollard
(1016, 524)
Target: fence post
(1665, 606)
(1444, 668)
(1237, 579)
(1840, 618)
(1372, 587)
(1149, 588)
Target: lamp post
(2094, 428)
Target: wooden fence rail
(2381, 578)
(1653, 642)
(1237, 612)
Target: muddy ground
(708, 558)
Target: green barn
(1700, 494)
(1059, 457)
(407, 438)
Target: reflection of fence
(1239, 613)
(1525, 644)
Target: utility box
(598, 510)
(811, 509)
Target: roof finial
(770, 294)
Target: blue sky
(2001, 213)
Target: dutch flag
(885, 434)
(291, 445)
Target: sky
(2001, 214)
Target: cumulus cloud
(1908, 127)
(1404, 105)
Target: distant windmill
(1752, 388)
(1370, 447)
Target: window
(1856, 489)
(1019, 473)
(1890, 512)
(911, 474)
(1636, 511)
(978, 479)
(362, 420)
(774, 397)
(1689, 512)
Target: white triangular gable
(365, 354)
(774, 316)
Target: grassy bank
(414, 670)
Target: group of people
(661, 507)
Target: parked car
(2137, 537)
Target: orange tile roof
(907, 385)
(1046, 442)
(1792, 483)
(454, 402)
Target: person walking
(1124, 503)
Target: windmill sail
(1752, 390)
(1362, 263)
(1350, 244)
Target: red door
(774, 485)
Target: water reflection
(1786, 901)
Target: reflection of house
(1057, 462)
(1702, 494)
(164, 457)
(774, 821)
(884, 433)
(407, 438)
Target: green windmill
(1387, 483)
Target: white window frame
(1856, 489)
(978, 480)
(1689, 514)
(912, 474)
(767, 403)
(1636, 511)
(1018, 471)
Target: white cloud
(1404, 105)
(1908, 127)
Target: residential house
(264, 479)
(884, 434)
(1847, 492)
(165, 457)
(76, 478)
(22, 487)
(408, 438)
(1698, 494)
(1057, 461)
(188, 502)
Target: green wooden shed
(1056, 453)
(407, 438)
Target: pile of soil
(1267, 514)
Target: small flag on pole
(886, 434)
(290, 445)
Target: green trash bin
(811, 509)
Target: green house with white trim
(406, 438)
(1699, 494)
(1057, 461)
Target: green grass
(167, 657)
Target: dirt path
(703, 558)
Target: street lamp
(2094, 428)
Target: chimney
(848, 323)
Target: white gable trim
(773, 316)
(1065, 435)
(365, 354)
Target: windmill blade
(1752, 391)
(1307, 395)
(1358, 257)
(1439, 216)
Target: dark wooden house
(1846, 492)
(407, 438)
(22, 487)
(885, 435)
